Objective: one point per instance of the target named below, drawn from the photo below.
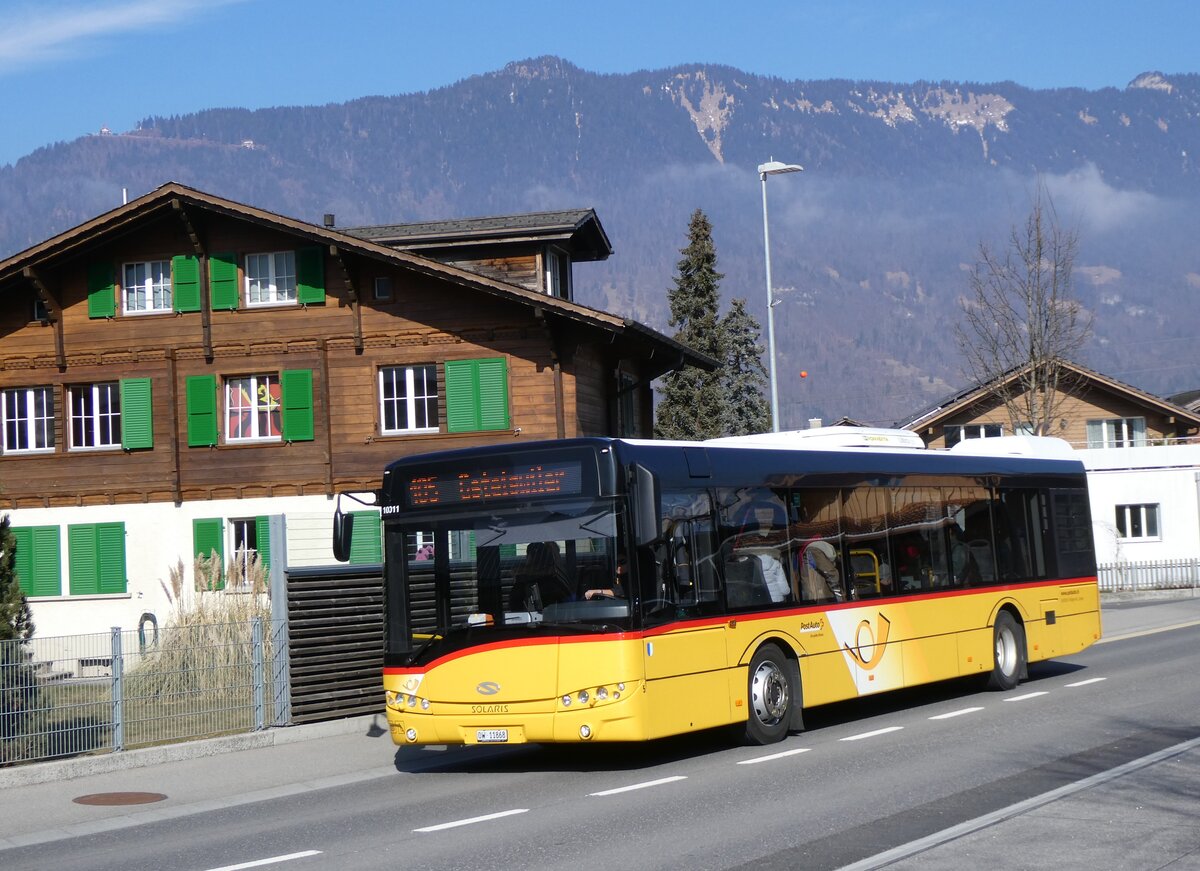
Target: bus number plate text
(491, 736)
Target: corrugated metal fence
(335, 641)
(1176, 574)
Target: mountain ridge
(869, 246)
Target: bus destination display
(515, 482)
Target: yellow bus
(618, 590)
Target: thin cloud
(47, 32)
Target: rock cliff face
(870, 246)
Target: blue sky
(68, 67)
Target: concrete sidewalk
(38, 801)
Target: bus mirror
(646, 520)
(343, 532)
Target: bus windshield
(552, 564)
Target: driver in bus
(617, 589)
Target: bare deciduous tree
(1022, 323)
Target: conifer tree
(744, 378)
(693, 402)
(18, 687)
(16, 622)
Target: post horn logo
(488, 688)
(872, 640)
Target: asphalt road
(886, 774)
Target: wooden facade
(562, 366)
(1098, 412)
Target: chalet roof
(1189, 399)
(663, 352)
(960, 400)
(576, 229)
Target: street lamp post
(772, 167)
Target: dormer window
(558, 273)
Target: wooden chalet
(187, 358)
(1099, 412)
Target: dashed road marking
(774, 756)
(483, 819)
(258, 863)
(1084, 683)
(645, 785)
(958, 713)
(1032, 695)
(872, 734)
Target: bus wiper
(438, 633)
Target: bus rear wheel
(771, 696)
(1009, 642)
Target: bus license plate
(491, 736)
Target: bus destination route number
(535, 479)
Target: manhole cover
(120, 798)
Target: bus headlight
(566, 700)
(601, 693)
(424, 704)
(583, 697)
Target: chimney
(329, 220)
(814, 423)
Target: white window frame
(405, 405)
(1117, 432)
(1134, 522)
(96, 408)
(271, 278)
(23, 427)
(149, 293)
(971, 431)
(556, 264)
(257, 390)
(242, 530)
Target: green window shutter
(23, 558)
(201, 410)
(47, 562)
(223, 281)
(185, 283)
(110, 549)
(296, 387)
(208, 536)
(476, 395)
(137, 414)
(38, 562)
(83, 571)
(96, 552)
(262, 535)
(462, 396)
(493, 394)
(310, 276)
(102, 291)
(366, 543)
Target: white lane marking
(258, 863)
(483, 819)
(945, 836)
(648, 783)
(872, 734)
(1026, 696)
(774, 756)
(1084, 683)
(956, 713)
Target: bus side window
(683, 579)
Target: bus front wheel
(771, 696)
(1009, 643)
